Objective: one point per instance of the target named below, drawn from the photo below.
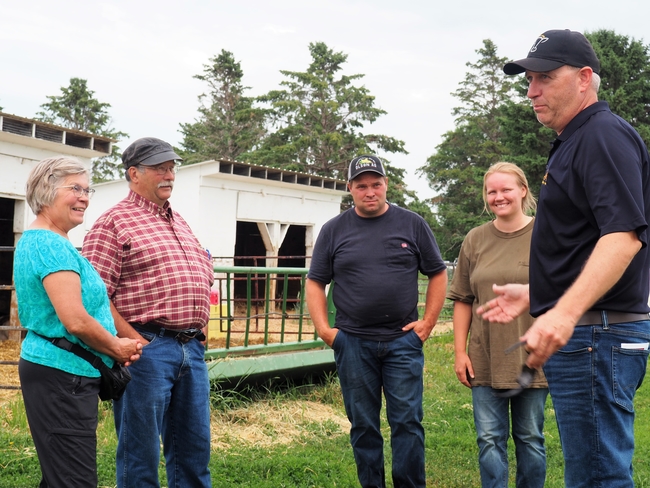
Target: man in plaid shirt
(158, 279)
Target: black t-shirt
(374, 263)
(597, 183)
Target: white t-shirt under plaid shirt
(153, 265)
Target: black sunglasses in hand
(525, 377)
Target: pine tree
(228, 124)
(456, 169)
(319, 118)
(77, 108)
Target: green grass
(320, 455)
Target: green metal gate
(261, 327)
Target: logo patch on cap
(365, 163)
(540, 40)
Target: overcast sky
(140, 56)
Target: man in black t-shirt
(373, 254)
(589, 263)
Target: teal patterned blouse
(39, 253)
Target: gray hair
(595, 78)
(595, 82)
(47, 176)
(139, 167)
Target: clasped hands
(130, 351)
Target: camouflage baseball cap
(148, 151)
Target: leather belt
(597, 317)
(181, 335)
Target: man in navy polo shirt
(589, 263)
(373, 252)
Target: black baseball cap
(364, 163)
(148, 151)
(554, 49)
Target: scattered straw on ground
(270, 423)
(292, 329)
(443, 327)
(263, 424)
(9, 351)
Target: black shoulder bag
(114, 380)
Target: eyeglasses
(161, 170)
(524, 379)
(80, 192)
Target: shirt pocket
(399, 253)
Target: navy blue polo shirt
(597, 182)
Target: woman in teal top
(61, 295)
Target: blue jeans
(169, 398)
(593, 380)
(491, 417)
(366, 367)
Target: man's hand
(512, 300)
(548, 334)
(422, 329)
(317, 306)
(435, 298)
(328, 335)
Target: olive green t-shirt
(490, 256)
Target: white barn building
(235, 209)
(238, 209)
(246, 215)
(23, 143)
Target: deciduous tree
(495, 121)
(625, 75)
(625, 85)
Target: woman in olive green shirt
(498, 252)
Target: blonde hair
(47, 176)
(528, 203)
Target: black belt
(598, 317)
(181, 335)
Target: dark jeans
(62, 414)
(366, 368)
(592, 381)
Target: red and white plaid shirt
(153, 265)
